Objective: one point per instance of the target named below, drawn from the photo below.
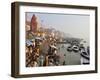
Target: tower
(33, 23)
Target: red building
(33, 23)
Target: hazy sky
(76, 25)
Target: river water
(70, 58)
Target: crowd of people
(35, 55)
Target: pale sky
(76, 25)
